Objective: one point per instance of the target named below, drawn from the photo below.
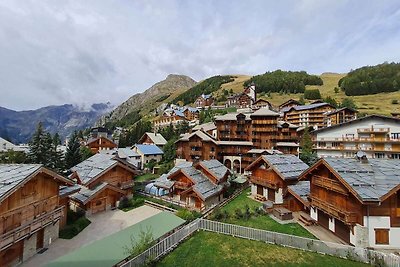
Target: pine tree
(307, 154)
(73, 154)
(38, 146)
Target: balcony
(195, 153)
(329, 184)
(11, 237)
(182, 185)
(373, 130)
(335, 211)
(264, 181)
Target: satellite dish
(361, 154)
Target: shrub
(336, 90)
(217, 214)
(247, 212)
(71, 230)
(312, 94)
(395, 101)
(123, 203)
(185, 214)
(238, 213)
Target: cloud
(82, 52)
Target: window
(395, 156)
(381, 236)
(395, 135)
(379, 155)
(335, 144)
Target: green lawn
(263, 221)
(146, 177)
(211, 249)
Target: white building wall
(279, 196)
(332, 224)
(314, 213)
(351, 129)
(253, 189)
(265, 192)
(360, 236)
(382, 222)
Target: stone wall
(29, 247)
(51, 233)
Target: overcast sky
(55, 52)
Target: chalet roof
(260, 151)
(203, 136)
(126, 152)
(215, 167)
(149, 149)
(157, 138)
(305, 107)
(202, 185)
(206, 96)
(89, 169)
(68, 190)
(14, 175)
(291, 125)
(205, 126)
(301, 189)
(231, 117)
(289, 101)
(191, 109)
(265, 112)
(6, 145)
(338, 110)
(370, 117)
(371, 180)
(290, 144)
(288, 167)
(91, 140)
(85, 194)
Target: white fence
(333, 249)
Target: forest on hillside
(284, 81)
(372, 80)
(207, 86)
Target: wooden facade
(288, 104)
(30, 215)
(310, 115)
(204, 101)
(339, 116)
(100, 143)
(336, 206)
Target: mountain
(159, 93)
(19, 126)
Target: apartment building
(307, 115)
(377, 136)
(339, 116)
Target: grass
(369, 104)
(146, 177)
(264, 222)
(74, 228)
(211, 249)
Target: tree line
(372, 80)
(207, 86)
(284, 81)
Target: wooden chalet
(100, 143)
(262, 103)
(153, 138)
(288, 104)
(199, 186)
(208, 128)
(30, 210)
(307, 115)
(272, 174)
(357, 199)
(204, 101)
(339, 116)
(103, 180)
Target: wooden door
(39, 239)
(323, 219)
(342, 231)
(271, 194)
(260, 190)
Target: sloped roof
(291, 144)
(235, 143)
(261, 150)
(203, 136)
(232, 117)
(91, 140)
(301, 189)
(265, 112)
(163, 180)
(157, 138)
(85, 194)
(89, 169)
(68, 190)
(14, 175)
(291, 125)
(217, 169)
(149, 149)
(338, 110)
(371, 180)
(304, 107)
(209, 126)
(125, 152)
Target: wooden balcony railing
(328, 184)
(335, 211)
(373, 130)
(264, 181)
(11, 237)
(182, 185)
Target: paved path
(103, 224)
